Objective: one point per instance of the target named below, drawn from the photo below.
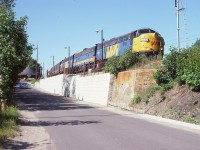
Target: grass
(136, 100)
(8, 120)
(192, 120)
(33, 81)
(146, 94)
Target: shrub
(136, 100)
(191, 69)
(112, 66)
(117, 64)
(182, 67)
(162, 76)
(170, 63)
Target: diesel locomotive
(145, 40)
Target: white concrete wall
(94, 89)
(53, 84)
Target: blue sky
(55, 24)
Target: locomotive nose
(156, 35)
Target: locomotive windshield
(142, 31)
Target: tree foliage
(181, 66)
(32, 64)
(15, 51)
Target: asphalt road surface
(78, 126)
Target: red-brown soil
(180, 103)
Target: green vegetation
(129, 61)
(8, 119)
(33, 81)
(15, 51)
(32, 64)
(136, 100)
(149, 92)
(182, 67)
(117, 64)
(192, 120)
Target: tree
(32, 64)
(196, 44)
(15, 51)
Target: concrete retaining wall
(52, 84)
(101, 89)
(94, 89)
(129, 84)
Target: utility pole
(177, 24)
(69, 57)
(102, 43)
(43, 69)
(102, 40)
(53, 61)
(177, 21)
(68, 47)
(36, 64)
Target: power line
(184, 41)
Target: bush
(112, 66)
(121, 63)
(182, 67)
(191, 69)
(136, 100)
(162, 76)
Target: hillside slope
(180, 104)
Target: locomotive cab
(147, 41)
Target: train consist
(143, 40)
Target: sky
(56, 24)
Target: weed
(176, 112)
(149, 93)
(136, 100)
(8, 119)
(192, 120)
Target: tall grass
(8, 119)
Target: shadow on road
(57, 123)
(37, 101)
(18, 145)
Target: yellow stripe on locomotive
(148, 42)
(112, 51)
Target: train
(145, 40)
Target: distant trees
(15, 51)
(196, 44)
(32, 64)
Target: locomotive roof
(85, 51)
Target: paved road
(77, 126)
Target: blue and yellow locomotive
(144, 40)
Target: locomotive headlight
(144, 39)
